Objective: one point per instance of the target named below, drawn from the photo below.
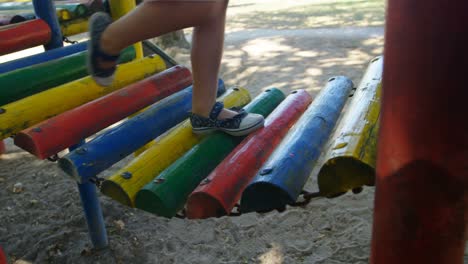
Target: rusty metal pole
(422, 177)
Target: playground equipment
(2, 147)
(420, 213)
(351, 156)
(178, 162)
(47, 138)
(246, 159)
(280, 181)
(35, 79)
(166, 195)
(214, 198)
(52, 96)
(154, 103)
(3, 259)
(24, 35)
(71, 16)
(124, 185)
(43, 121)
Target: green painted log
(167, 194)
(27, 81)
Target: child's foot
(101, 66)
(241, 124)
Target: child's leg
(152, 19)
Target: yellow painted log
(74, 27)
(351, 157)
(24, 113)
(118, 9)
(124, 185)
(64, 15)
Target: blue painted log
(117, 143)
(280, 181)
(45, 10)
(42, 57)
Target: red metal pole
(2, 147)
(24, 35)
(3, 259)
(422, 178)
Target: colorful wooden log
(74, 27)
(281, 179)
(166, 195)
(78, 9)
(124, 185)
(219, 192)
(29, 111)
(421, 197)
(45, 10)
(62, 131)
(117, 143)
(350, 159)
(24, 35)
(35, 79)
(64, 15)
(42, 57)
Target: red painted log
(217, 195)
(67, 129)
(24, 35)
(421, 202)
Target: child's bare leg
(152, 19)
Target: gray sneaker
(97, 24)
(241, 124)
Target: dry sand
(45, 224)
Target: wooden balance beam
(103, 151)
(62, 131)
(166, 195)
(124, 184)
(16, 37)
(37, 78)
(74, 27)
(220, 191)
(282, 178)
(351, 156)
(42, 57)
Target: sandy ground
(44, 223)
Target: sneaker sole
(244, 131)
(232, 132)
